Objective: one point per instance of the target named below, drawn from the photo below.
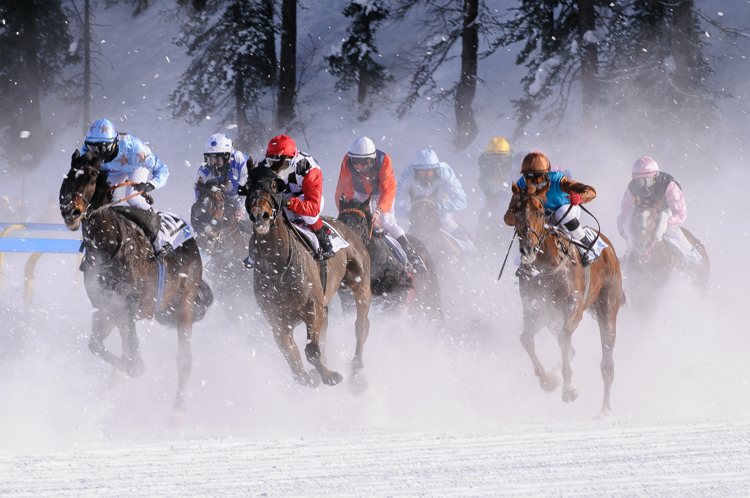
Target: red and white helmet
(645, 167)
(281, 146)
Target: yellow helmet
(498, 145)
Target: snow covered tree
(231, 68)
(34, 49)
(353, 63)
(287, 66)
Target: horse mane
(102, 195)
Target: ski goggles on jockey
(648, 181)
(278, 162)
(217, 162)
(362, 164)
(536, 178)
(101, 148)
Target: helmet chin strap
(285, 172)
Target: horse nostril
(76, 212)
(266, 215)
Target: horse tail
(202, 301)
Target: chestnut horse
(390, 278)
(225, 240)
(556, 290)
(650, 263)
(288, 285)
(122, 277)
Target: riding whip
(507, 253)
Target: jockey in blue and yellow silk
(126, 158)
(562, 203)
(222, 161)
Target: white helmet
(362, 147)
(218, 144)
(426, 159)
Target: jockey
(222, 161)
(427, 175)
(303, 196)
(127, 158)
(367, 172)
(560, 208)
(651, 184)
(495, 170)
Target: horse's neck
(101, 233)
(273, 248)
(550, 255)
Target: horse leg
(531, 325)
(569, 391)
(184, 358)
(605, 310)
(315, 342)
(283, 334)
(101, 326)
(131, 360)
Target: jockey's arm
(200, 178)
(345, 186)
(312, 188)
(676, 201)
(402, 190)
(387, 186)
(456, 194)
(141, 155)
(626, 208)
(569, 186)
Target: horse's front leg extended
(184, 360)
(569, 393)
(316, 324)
(101, 326)
(132, 362)
(283, 334)
(531, 325)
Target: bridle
(216, 240)
(547, 229)
(364, 216)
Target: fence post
(2, 255)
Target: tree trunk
(288, 65)
(589, 57)
(363, 83)
(269, 47)
(239, 88)
(682, 46)
(466, 127)
(86, 65)
(30, 110)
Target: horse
(289, 287)
(555, 290)
(225, 239)
(650, 262)
(122, 276)
(391, 278)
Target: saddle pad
(396, 246)
(598, 247)
(463, 246)
(173, 230)
(337, 241)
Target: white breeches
(575, 213)
(307, 219)
(449, 224)
(388, 220)
(677, 238)
(138, 175)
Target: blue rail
(18, 244)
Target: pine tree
(287, 66)
(34, 49)
(353, 62)
(231, 69)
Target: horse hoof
(117, 379)
(177, 420)
(357, 384)
(571, 395)
(549, 383)
(333, 379)
(135, 368)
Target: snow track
(595, 460)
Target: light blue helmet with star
(101, 131)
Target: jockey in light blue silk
(222, 161)
(126, 158)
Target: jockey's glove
(575, 199)
(143, 187)
(282, 200)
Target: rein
(372, 225)
(128, 183)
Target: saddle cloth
(337, 241)
(463, 246)
(597, 248)
(173, 230)
(394, 244)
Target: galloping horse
(651, 262)
(556, 290)
(122, 277)
(225, 239)
(288, 285)
(390, 278)
(425, 225)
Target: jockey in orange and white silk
(133, 160)
(649, 183)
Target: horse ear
(280, 185)
(76, 155)
(366, 204)
(515, 188)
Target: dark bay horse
(555, 290)
(425, 225)
(288, 285)
(650, 262)
(225, 240)
(390, 278)
(122, 277)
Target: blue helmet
(101, 131)
(426, 159)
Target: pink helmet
(645, 167)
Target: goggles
(218, 159)
(101, 148)
(649, 181)
(536, 178)
(362, 163)
(426, 173)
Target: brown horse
(390, 278)
(122, 277)
(556, 290)
(288, 285)
(225, 240)
(650, 262)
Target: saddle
(309, 240)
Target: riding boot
(416, 262)
(249, 260)
(578, 234)
(166, 251)
(324, 238)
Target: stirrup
(248, 262)
(166, 251)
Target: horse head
(262, 202)
(425, 211)
(84, 188)
(209, 215)
(528, 212)
(357, 216)
(647, 224)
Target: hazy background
(686, 364)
